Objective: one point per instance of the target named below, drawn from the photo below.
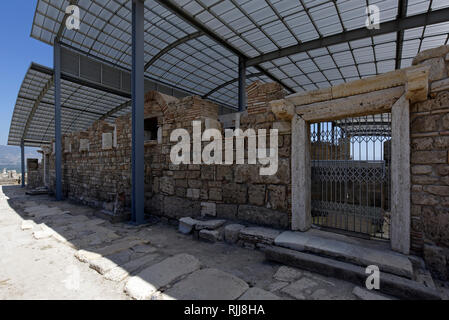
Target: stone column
(301, 175)
(400, 176)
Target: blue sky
(18, 50)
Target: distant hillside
(10, 156)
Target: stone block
(429, 157)
(210, 235)
(176, 207)
(209, 224)
(167, 185)
(227, 211)
(287, 274)
(232, 232)
(193, 193)
(258, 235)
(224, 172)
(234, 193)
(186, 225)
(436, 261)
(256, 194)
(277, 197)
(208, 284)
(215, 194)
(208, 209)
(437, 69)
(151, 279)
(263, 216)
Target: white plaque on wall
(106, 141)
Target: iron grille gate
(351, 175)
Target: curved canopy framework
(33, 117)
(303, 44)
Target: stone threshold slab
(387, 261)
(389, 284)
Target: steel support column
(58, 139)
(242, 84)
(22, 162)
(137, 92)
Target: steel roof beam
(402, 13)
(68, 107)
(223, 85)
(186, 17)
(172, 46)
(41, 95)
(400, 24)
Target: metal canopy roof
(304, 44)
(195, 47)
(34, 109)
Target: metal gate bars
(351, 175)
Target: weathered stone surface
(391, 284)
(263, 216)
(258, 294)
(297, 288)
(428, 157)
(232, 231)
(149, 280)
(437, 69)
(259, 235)
(277, 197)
(256, 194)
(167, 185)
(209, 224)
(27, 225)
(43, 233)
(119, 273)
(387, 261)
(436, 261)
(208, 209)
(437, 190)
(208, 284)
(210, 235)
(186, 225)
(175, 207)
(421, 169)
(275, 286)
(102, 265)
(86, 256)
(144, 249)
(234, 193)
(364, 294)
(440, 51)
(227, 211)
(287, 274)
(126, 243)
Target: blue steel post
(137, 84)
(242, 84)
(22, 161)
(58, 143)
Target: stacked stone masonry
(98, 173)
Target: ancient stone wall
(34, 174)
(98, 173)
(429, 130)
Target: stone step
(389, 284)
(387, 260)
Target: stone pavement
(60, 250)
